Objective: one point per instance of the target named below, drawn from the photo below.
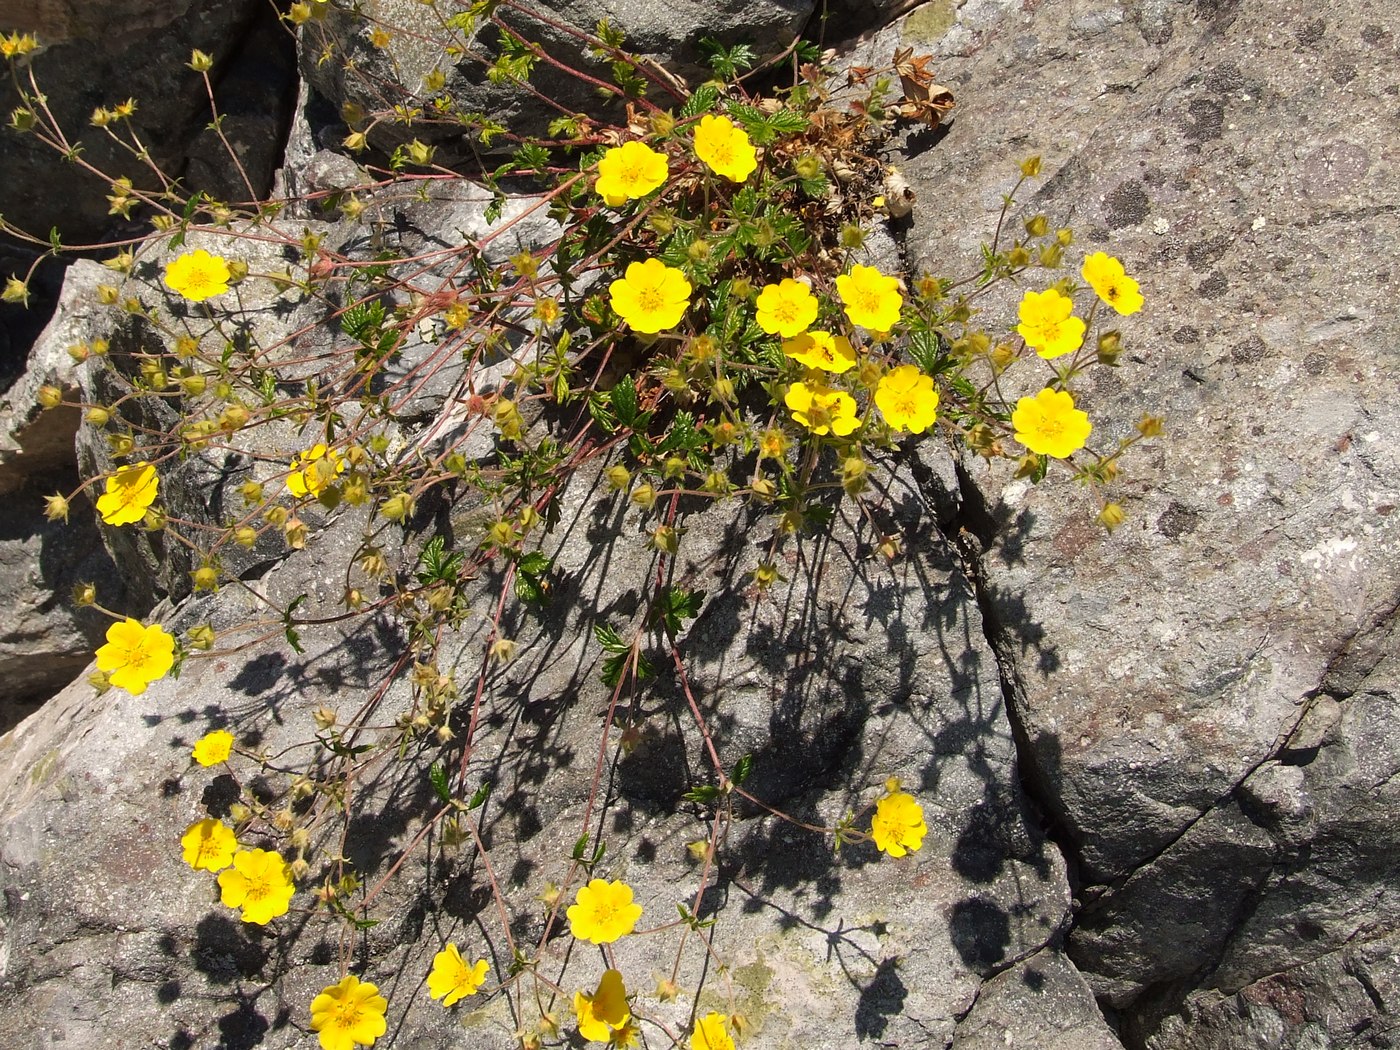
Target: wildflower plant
(700, 328)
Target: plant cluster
(705, 327)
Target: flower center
(723, 152)
(650, 300)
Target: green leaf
(610, 640)
(580, 846)
(927, 351)
(437, 774)
(624, 401)
(702, 101)
(705, 794)
(676, 605)
(479, 796)
(742, 768)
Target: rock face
(1206, 695)
(46, 640)
(100, 54)
(669, 35)
(1158, 767)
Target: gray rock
(99, 54)
(46, 640)
(665, 35)
(1195, 689)
(1038, 1004)
(831, 683)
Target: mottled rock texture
(1206, 696)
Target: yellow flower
(603, 911)
(314, 470)
(786, 309)
(1049, 424)
(261, 884)
(820, 350)
(349, 1013)
(821, 409)
(872, 300)
(898, 826)
(907, 400)
(725, 148)
(130, 492)
(651, 297)
(711, 1034)
(452, 979)
(629, 171)
(17, 44)
(213, 748)
(1048, 324)
(605, 1012)
(197, 275)
(135, 655)
(1105, 275)
(209, 844)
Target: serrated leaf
(610, 640)
(702, 101)
(437, 775)
(624, 401)
(705, 794)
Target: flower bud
(665, 539)
(245, 535)
(503, 650)
(193, 386)
(501, 534)
(56, 507)
(1038, 226)
(644, 495)
(1111, 516)
(276, 516)
(98, 416)
(1151, 426)
(619, 477)
(120, 444)
(79, 352)
(200, 62)
(84, 594)
(397, 507)
(50, 396)
(201, 637)
(294, 531)
(673, 467)
(324, 718)
(1030, 167)
(16, 291)
(205, 578)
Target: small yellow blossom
(830, 353)
(651, 297)
(603, 911)
(453, 978)
(871, 299)
(725, 148)
(197, 275)
(1048, 324)
(213, 748)
(348, 1014)
(711, 1033)
(56, 507)
(898, 826)
(260, 883)
(907, 399)
(136, 655)
(605, 1012)
(1049, 424)
(209, 844)
(821, 409)
(1105, 275)
(17, 44)
(628, 172)
(314, 471)
(786, 309)
(130, 492)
